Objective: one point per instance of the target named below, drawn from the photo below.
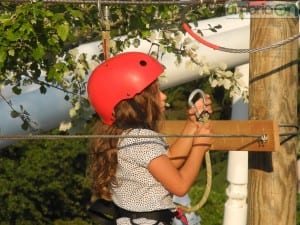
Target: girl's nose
(163, 96)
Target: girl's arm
(179, 181)
(181, 148)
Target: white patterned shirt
(137, 189)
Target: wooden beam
(226, 132)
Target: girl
(138, 171)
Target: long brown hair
(142, 111)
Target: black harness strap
(106, 213)
(164, 216)
(103, 212)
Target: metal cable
(91, 136)
(289, 125)
(275, 45)
(198, 38)
(289, 134)
(88, 136)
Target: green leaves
(63, 30)
(3, 56)
(38, 52)
(33, 40)
(43, 181)
(31, 36)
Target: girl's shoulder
(141, 136)
(141, 131)
(139, 142)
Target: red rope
(198, 38)
(105, 50)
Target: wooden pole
(273, 95)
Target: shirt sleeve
(145, 148)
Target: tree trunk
(273, 95)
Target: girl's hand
(203, 142)
(199, 106)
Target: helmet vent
(143, 63)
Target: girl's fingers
(200, 106)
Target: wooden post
(273, 95)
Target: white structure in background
(235, 212)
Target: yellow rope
(204, 198)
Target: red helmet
(118, 78)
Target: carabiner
(204, 115)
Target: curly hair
(142, 111)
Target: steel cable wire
(127, 2)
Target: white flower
(74, 52)
(80, 73)
(82, 57)
(65, 125)
(92, 64)
(235, 91)
(206, 70)
(223, 66)
(153, 36)
(178, 39)
(219, 73)
(178, 36)
(160, 34)
(228, 74)
(167, 34)
(226, 84)
(67, 73)
(100, 47)
(113, 45)
(187, 41)
(66, 83)
(213, 83)
(241, 83)
(238, 75)
(72, 112)
(194, 46)
(77, 106)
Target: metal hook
(204, 115)
(99, 9)
(157, 53)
